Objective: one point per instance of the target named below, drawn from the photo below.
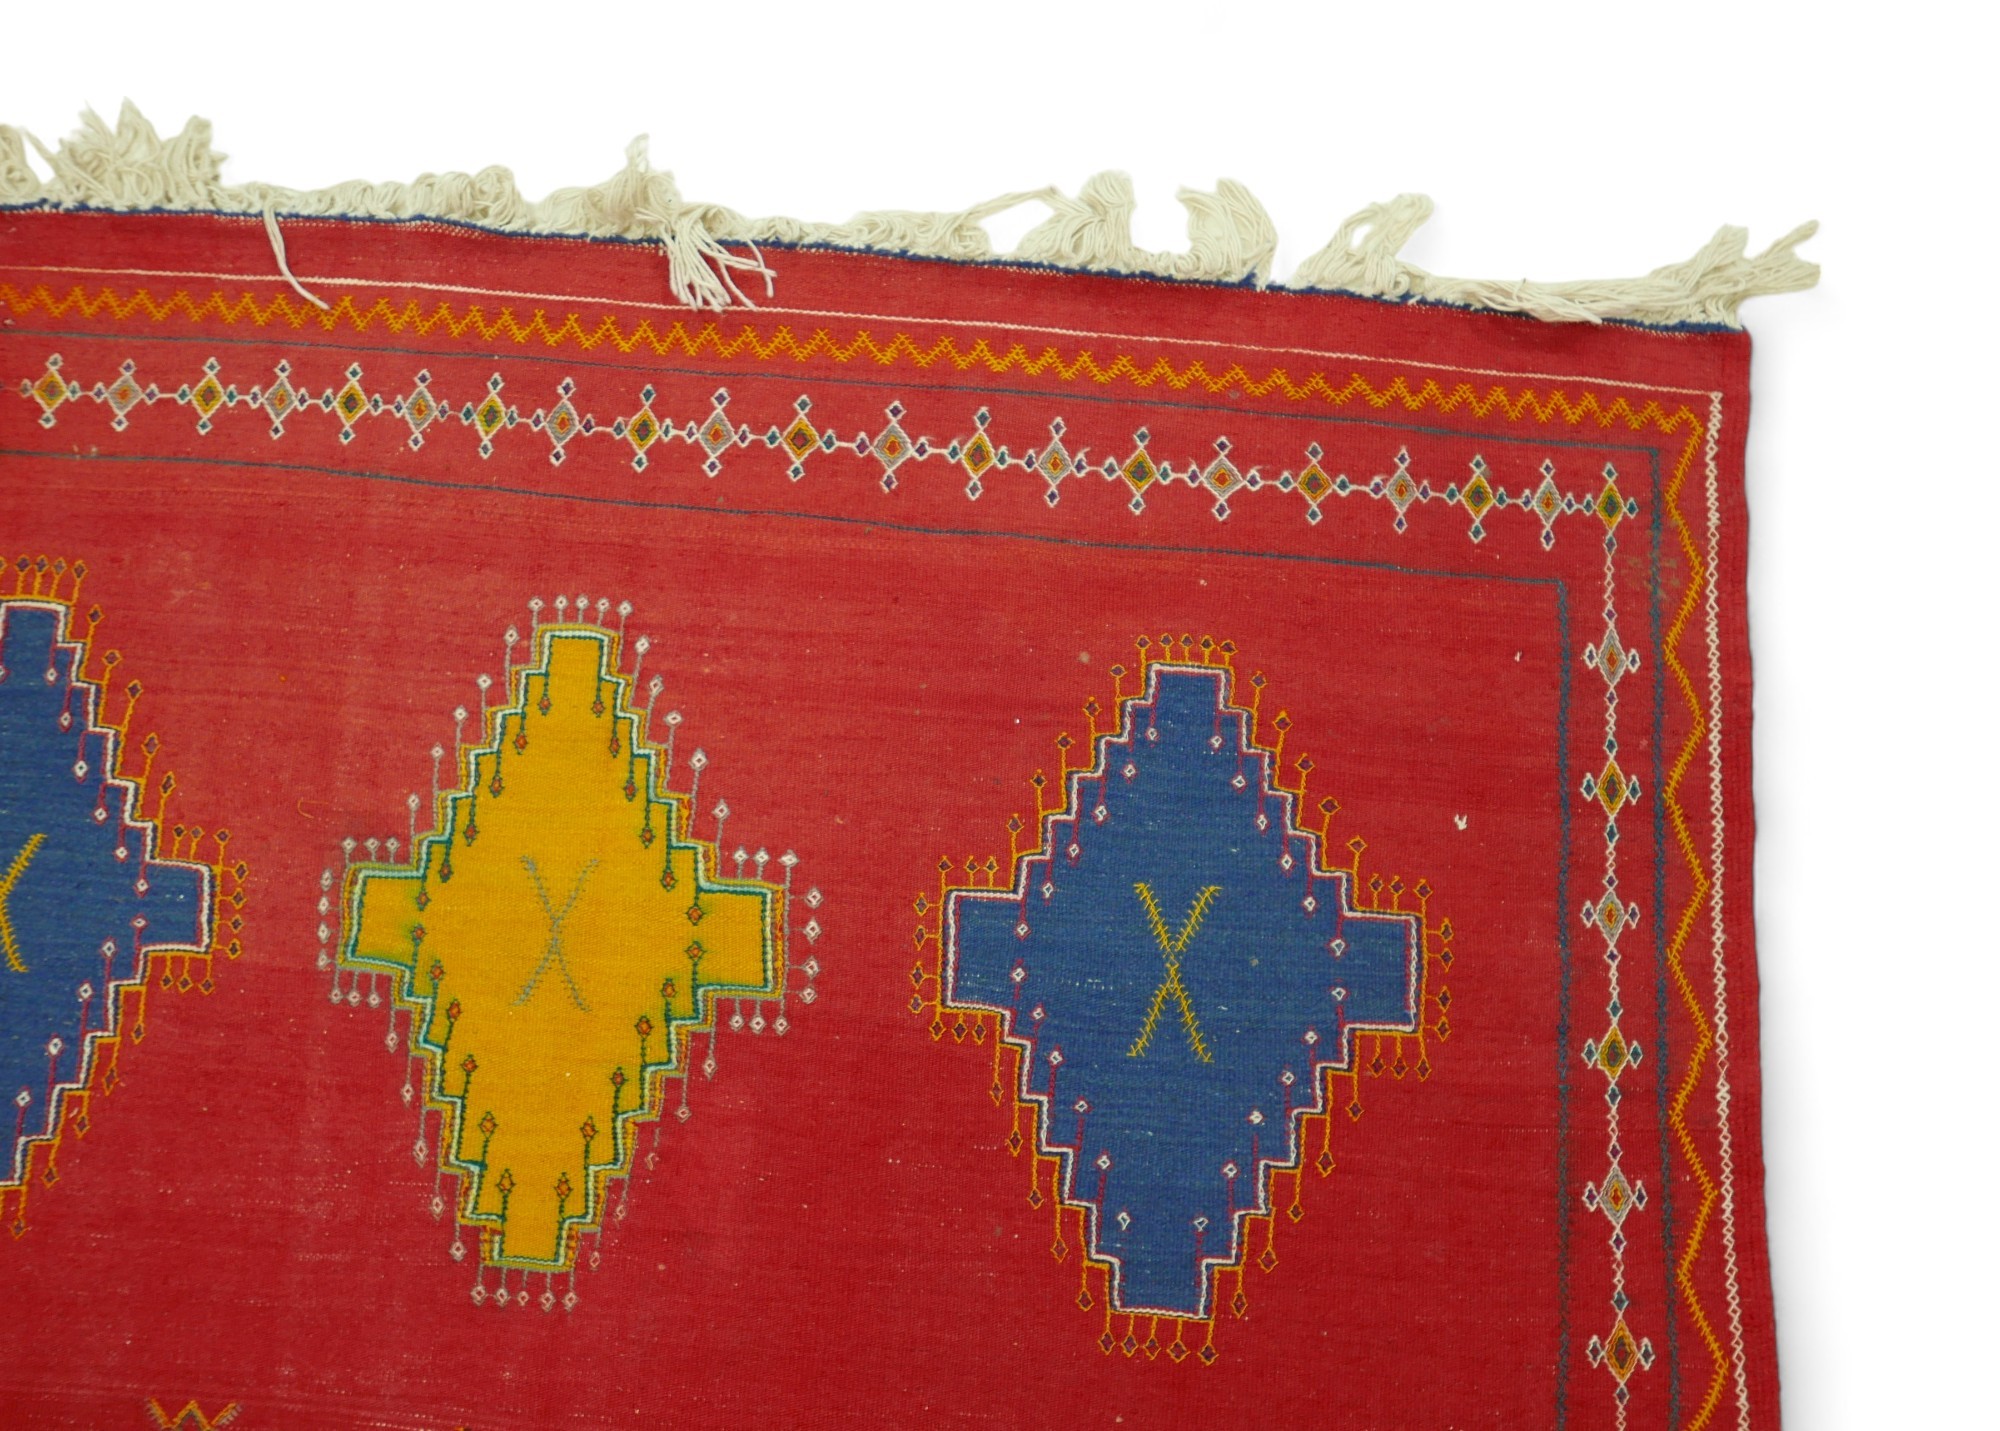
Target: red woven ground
(839, 1236)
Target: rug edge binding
(1232, 240)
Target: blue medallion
(1179, 969)
(83, 895)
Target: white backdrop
(1560, 141)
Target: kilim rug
(613, 815)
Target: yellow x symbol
(1172, 945)
(9, 944)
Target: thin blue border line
(1662, 1064)
(1041, 538)
(1565, 954)
(1557, 583)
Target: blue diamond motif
(1179, 969)
(74, 911)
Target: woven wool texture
(968, 840)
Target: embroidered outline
(32, 1158)
(1050, 1161)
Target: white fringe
(1705, 289)
(1230, 237)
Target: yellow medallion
(559, 938)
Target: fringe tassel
(277, 238)
(1705, 289)
(1230, 236)
(18, 183)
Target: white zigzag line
(1722, 1094)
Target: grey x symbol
(553, 954)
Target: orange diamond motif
(1621, 1352)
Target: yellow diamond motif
(489, 417)
(1613, 789)
(1621, 1353)
(801, 438)
(1610, 506)
(1140, 472)
(51, 391)
(542, 936)
(1477, 497)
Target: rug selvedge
(1607, 1049)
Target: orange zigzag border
(860, 346)
(1696, 1057)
